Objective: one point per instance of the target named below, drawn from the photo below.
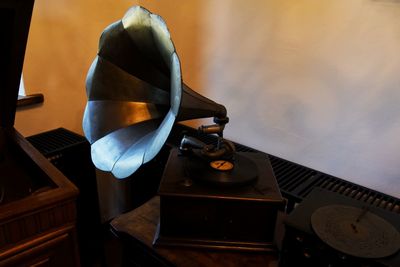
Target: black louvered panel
(340, 186)
(242, 148)
(54, 141)
(306, 189)
(293, 179)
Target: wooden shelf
(29, 100)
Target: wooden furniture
(37, 214)
(37, 202)
(200, 214)
(136, 230)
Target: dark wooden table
(136, 229)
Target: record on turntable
(237, 171)
(355, 231)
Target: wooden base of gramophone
(195, 214)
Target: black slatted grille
(297, 181)
(55, 141)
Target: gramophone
(210, 195)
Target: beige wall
(316, 82)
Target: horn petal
(108, 150)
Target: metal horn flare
(135, 94)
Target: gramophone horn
(135, 94)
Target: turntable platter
(355, 231)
